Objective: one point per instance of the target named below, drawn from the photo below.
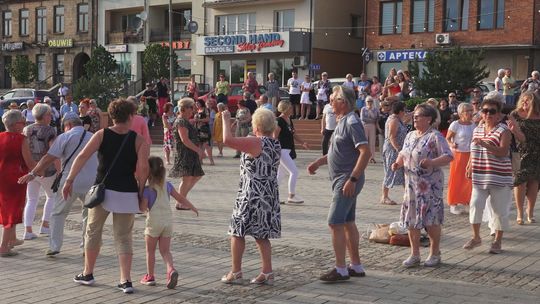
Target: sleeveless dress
(12, 166)
(186, 161)
(529, 151)
(256, 211)
(389, 155)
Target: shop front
(8, 50)
(260, 53)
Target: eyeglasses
(489, 111)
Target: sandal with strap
(387, 201)
(232, 278)
(531, 220)
(264, 279)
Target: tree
(445, 71)
(101, 81)
(156, 61)
(23, 70)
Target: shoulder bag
(96, 194)
(56, 183)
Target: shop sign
(60, 43)
(243, 43)
(401, 55)
(117, 48)
(179, 45)
(12, 46)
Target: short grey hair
(462, 107)
(132, 99)
(12, 117)
(496, 96)
(221, 106)
(500, 71)
(535, 73)
(73, 120)
(47, 98)
(263, 98)
(345, 93)
(39, 110)
(29, 102)
(427, 110)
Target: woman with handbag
(121, 177)
(202, 122)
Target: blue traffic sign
(315, 66)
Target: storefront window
(224, 67)
(238, 71)
(184, 63)
(385, 67)
(59, 67)
(123, 61)
(282, 69)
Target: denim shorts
(343, 209)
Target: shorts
(294, 99)
(222, 98)
(159, 230)
(343, 209)
(152, 106)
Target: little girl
(155, 202)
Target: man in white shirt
(294, 93)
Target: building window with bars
(391, 16)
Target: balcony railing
(121, 37)
(163, 35)
(219, 3)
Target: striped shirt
(488, 169)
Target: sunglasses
(489, 111)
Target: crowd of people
(490, 144)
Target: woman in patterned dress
(256, 211)
(525, 125)
(394, 136)
(187, 161)
(168, 119)
(425, 150)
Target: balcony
(160, 35)
(233, 3)
(123, 37)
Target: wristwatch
(353, 179)
(31, 173)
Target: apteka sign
(243, 43)
(401, 55)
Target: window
(456, 15)
(42, 72)
(6, 17)
(423, 16)
(284, 20)
(24, 22)
(391, 17)
(82, 18)
(282, 69)
(130, 23)
(59, 19)
(58, 68)
(235, 24)
(491, 14)
(181, 19)
(41, 24)
(356, 26)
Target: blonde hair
(432, 102)
(185, 102)
(221, 106)
(283, 106)
(534, 103)
(264, 121)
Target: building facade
(56, 35)
(402, 30)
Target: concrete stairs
(156, 133)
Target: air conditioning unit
(299, 61)
(442, 38)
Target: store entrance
(235, 71)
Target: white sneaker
(295, 200)
(44, 230)
(455, 210)
(29, 236)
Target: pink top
(140, 127)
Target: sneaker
(295, 200)
(44, 230)
(472, 243)
(172, 279)
(84, 279)
(236, 156)
(354, 273)
(126, 287)
(495, 248)
(51, 252)
(333, 276)
(29, 236)
(411, 261)
(455, 210)
(432, 261)
(148, 280)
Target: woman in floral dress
(168, 119)
(425, 150)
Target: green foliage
(156, 61)
(448, 71)
(411, 103)
(23, 70)
(102, 81)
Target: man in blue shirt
(68, 107)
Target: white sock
(357, 268)
(342, 271)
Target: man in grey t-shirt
(347, 159)
(63, 146)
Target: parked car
(235, 96)
(20, 96)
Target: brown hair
(167, 107)
(156, 178)
(120, 110)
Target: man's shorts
(343, 209)
(294, 99)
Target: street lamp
(171, 65)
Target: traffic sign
(315, 66)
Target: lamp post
(171, 65)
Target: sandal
(387, 201)
(232, 278)
(531, 220)
(519, 221)
(264, 278)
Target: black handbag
(56, 184)
(96, 194)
